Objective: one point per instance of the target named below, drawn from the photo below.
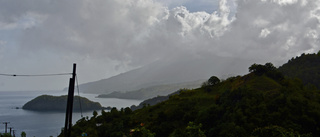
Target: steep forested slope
(305, 67)
(261, 103)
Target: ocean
(44, 124)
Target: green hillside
(260, 104)
(305, 67)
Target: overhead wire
(44, 75)
(34, 75)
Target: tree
(258, 69)
(194, 130)
(275, 131)
(268, 69)
(95, 114)
(269, 66)
(23, 134)
(213, 80)
(141, 131)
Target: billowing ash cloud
(132, 33)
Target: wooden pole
(10, 130)
(68, 120)
(6, 124)
(66, 126)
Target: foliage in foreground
(23, 134)
(259, 104)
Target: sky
(108, 37)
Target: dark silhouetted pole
(14, 135)
(5, 129)
(68, 121)
(10, 130)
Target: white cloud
(283, 2)
(264, 33)
(260, 22)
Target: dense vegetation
(305, 67)
(23, 134)
(5, 135)
(53, 103)
(262, 103)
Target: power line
(34, 75)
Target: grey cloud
(137, 32)
(284, 23)
(193, 5)
(98, 28)
(121, 30)
(143, 31)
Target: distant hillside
(154, 100)
(260, 104)
(164, 72)
(305, 67)
(150, 92)
(150, 102)
(53, 103)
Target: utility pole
(5, 129)
(10, 130)
(68, 120)
(14, 135)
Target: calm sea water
(43, 124)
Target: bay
(44, 124)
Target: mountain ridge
(183, 69)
